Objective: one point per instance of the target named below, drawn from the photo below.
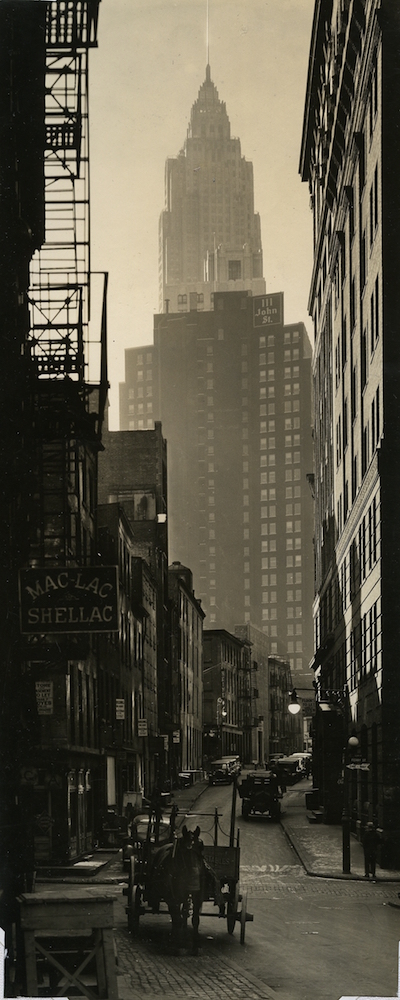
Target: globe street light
(293, 706)
(221, 715)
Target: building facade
(227, 698)
(209, 234)
(133, 474)
(186, 662)
(51, 437)
(259, 689)
(285, 730)
(127, 671)
(233, 389)
(349, 149)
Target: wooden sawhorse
(71, 933)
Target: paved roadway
(311, 937)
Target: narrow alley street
(311, 936)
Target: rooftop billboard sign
(268, 310)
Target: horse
(179, 875)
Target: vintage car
(223, 770)
(259, 793)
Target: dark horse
(180, 876)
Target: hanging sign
(142, 727)
(120, 708)
(69, 599)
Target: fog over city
(144, 79)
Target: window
(337, 363)
(362, 263)
(234, 270)
(374, 315)
(373, 98)
(344, 341)
(345, 427)
(363, 360)
(354, 393)
(373, 631)
(352, 304)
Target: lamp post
(221, 715)
(349, 744)
(331, 701)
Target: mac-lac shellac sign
(69, 599)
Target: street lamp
(351, 746)
(221, 715)
(293, 706)
(331, 701)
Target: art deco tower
(231, 384)
(210, 236)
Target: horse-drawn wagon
(179, 874)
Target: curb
(340, 876)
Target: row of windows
(182, 300)
(374, 332)
(294, 629)
(342, 429)
(140, 408)
(140, 425)
(140, 392)
(139, 359)
(362, 557)
(364, 646)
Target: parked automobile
(288, 771)
(233, 762)
(260, 794)
(223, 771)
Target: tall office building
(210, 236)
(349, 156)
(231, 385)
(232, 388)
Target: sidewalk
(319, 846)
(104, 867)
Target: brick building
(186, 664)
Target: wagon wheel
(134, 898)
(232, 911)
(243, 913)
(136, 910)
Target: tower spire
(208, 37)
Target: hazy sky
(144, 78)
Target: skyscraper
(234, 400)
(210, 236)
(231, 384)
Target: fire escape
(61, 342)
(66, 347)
